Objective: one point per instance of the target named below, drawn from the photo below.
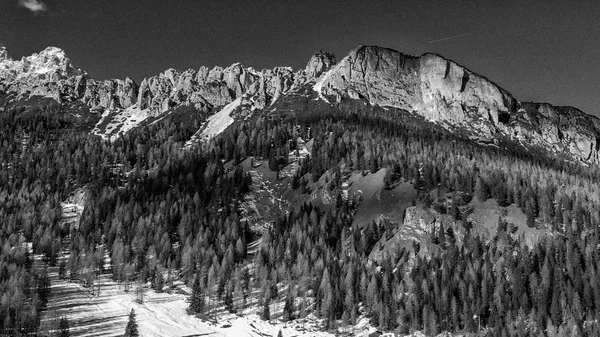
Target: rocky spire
(3, 53)
(319, 63)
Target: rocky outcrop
(562, 130)
(3, 53)
(319, 63)
(418, 226)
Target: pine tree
(62, 270)
(63, 327)
(266, 313)
(481, 190)
(132, 327)
(197, 297)
(159, 281)
(288, 310)
(139, 293)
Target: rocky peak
(49, 65)
(49, 61)
(3, 53)
(319, 63)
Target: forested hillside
(155, 206)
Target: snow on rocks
(112, 123)
(319, 86)
(218, 122)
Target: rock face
(319, 63)
(560, 129)
(436, 88)
(445, 92)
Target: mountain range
(430, 86)
(379, 191)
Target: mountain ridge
(439, 89)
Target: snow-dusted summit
(51, 64)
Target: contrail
(449, 38)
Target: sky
(539, 50)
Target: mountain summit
(435, 88)
(51, 64)
(3, 53)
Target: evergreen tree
(266, 312)
(159, 281)
(63, 327)
(481, 190)
(197, 297)
(132, 327)
(62, 269)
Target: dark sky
(540, 50)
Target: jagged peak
(3, 53)
(51, 50)
(50, 55)
(319, 63)
(373, 57)
(47, 64)
(375, 50)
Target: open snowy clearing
(161, 314)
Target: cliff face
(430, 85)
(380, 75)
(445, 92)
(452, 93)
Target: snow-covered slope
(113, 123)
(218, 122)
(160, 315)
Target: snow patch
(122, 122)
(319, 85)
(218, 122)
(215, 124)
